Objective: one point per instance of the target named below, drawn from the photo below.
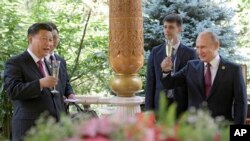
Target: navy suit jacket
(65, 78)
(21, 81)
(228, 93)
(154, 74)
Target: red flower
(96, 138)
(148, 119)
(171, 139)
(216, 137)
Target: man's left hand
(71, 96)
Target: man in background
(172, 26)
(68, 91)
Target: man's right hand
(166, 64)
(48, 82)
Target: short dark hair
(36, 27)
(173, 18)
(54, 27)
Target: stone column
(126, 53)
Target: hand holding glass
(169, 47)
(55, 66)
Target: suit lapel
(48, 66)
(161, 54)
(179, 55)
(31, 64)
(200, 82)
(218, 77)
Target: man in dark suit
(172, 25)
(212, 80)
(28, 82)
(63, 67)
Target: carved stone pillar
(126, 52)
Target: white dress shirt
(36, 59)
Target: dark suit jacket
(64, 75)
(227, 94)
(154, 74)
(21, 80)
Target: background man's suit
(228, 91)
(154, 74)
(22, 84)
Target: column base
(127, 106)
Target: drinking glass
(55, 66)
(169, 47)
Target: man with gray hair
(211, 79)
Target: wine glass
(55, 66)
(169, 47)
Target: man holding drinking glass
(172, 26)
(28, 82)
(52, 56)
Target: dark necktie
(51, 58)
(173, 54)
(208, 81)
(41, 69)
(173, 58)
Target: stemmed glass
(55, 66)
(169, 47)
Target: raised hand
(166, 64)
(48, 82)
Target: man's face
(206, 48)
(41, 43)
(55, 40)
(171, 29)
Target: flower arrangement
(195, 125)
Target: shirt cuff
(165, 74)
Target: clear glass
(55, 66)
(169, 47)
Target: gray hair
(211, 34)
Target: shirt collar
(34, 57)
(48, 56)
(176, 46)
(215, 61)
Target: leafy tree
(243, 23)
(11, 42)
(83, 41)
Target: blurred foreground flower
(195, 125)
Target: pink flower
(90, 128)
(149, 135)
(105, 126)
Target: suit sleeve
(176, 80)
(150, 83)
(193, 55)
(68, 88)
(15, 85)
(240, 98)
